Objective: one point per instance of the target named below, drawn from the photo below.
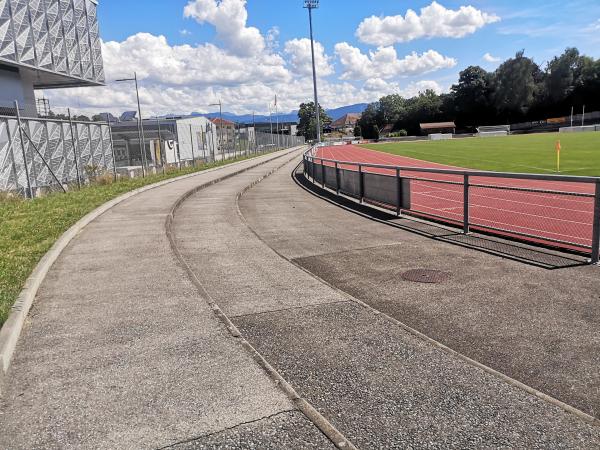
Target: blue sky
(186, 62)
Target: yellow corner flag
(558, 148)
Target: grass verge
(28, 228)
(534, 153)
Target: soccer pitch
(533, 153)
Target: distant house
(225, 129)
(223, 123)
(346, 123)
(438, 127)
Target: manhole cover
(425, 276)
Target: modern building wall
(52, 44)
(203, 138)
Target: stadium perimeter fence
(39, 154)
(551, 210)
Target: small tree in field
(357, 131)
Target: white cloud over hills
(246, 68)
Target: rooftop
(436, 125)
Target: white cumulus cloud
(229, 17)
(490, 58)
(434, 21)
(385, 64)
(300, 57)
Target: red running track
(548, 216)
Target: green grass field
(534, 153)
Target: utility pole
(310, 5)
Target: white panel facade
(56, 36)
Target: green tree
(516, 85)
(370, 121)
(472, 96)
(307, 124)
(392, 108)
(357, 131)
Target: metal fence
(39, 154)
(551, 210)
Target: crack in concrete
(241, 424)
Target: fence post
(398, 192)
(361, 184)
(596, 227)
(466, 204)
(192, 144)
(28, 191)
(75, 148)
(112, 148)
(337, 179)
(322, 173)
(163, 157)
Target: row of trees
(518, 90)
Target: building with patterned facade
(47, 44)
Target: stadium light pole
(140, 121)
(310, 5)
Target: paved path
(120, 350)
(376, 383)
(537, 325)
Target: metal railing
(552, 210)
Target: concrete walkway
(120, 350)
(379, 385)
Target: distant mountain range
(334, 113)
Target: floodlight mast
(310, 5)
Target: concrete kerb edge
(511, 381)
(11, 329)
(337, 438)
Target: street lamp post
(140, 122)
(310, 5)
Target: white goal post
(493, 130)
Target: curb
(11, 329)
(336, 437)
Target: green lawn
(28, 228)
(534, 153)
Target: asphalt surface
(121, 351)
(377, 384)
(536, 325)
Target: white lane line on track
(531, 228)
(472, 194)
